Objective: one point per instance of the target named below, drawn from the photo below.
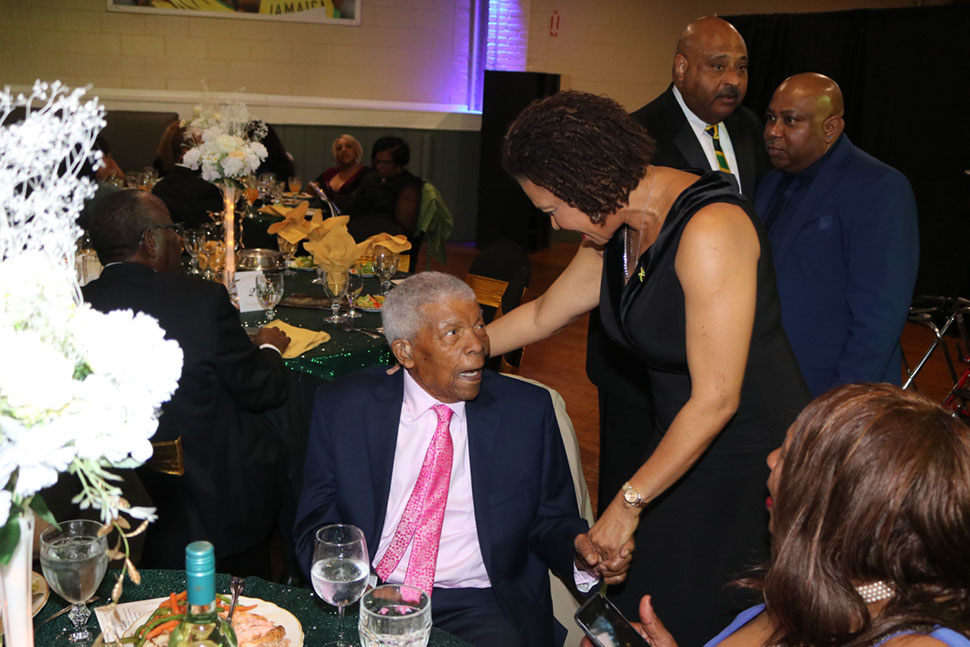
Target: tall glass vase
(15, 595)
(229, 195)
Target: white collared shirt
(698, 125)
(460, 562)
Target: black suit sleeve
(254, 377)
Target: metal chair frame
(927, 311)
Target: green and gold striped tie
(722, 163)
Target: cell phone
(606, 626)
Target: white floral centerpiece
(226, 147)
(80, 390)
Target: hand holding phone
(606, 626)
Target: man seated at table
(456, 476)
(233, 444)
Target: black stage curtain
(903, 75)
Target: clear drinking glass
(385, 266)
(269, 291)
(193, 239)
(340, 569)
(288, 250)
(335, 286)
(295, 183)
(74, 559)
(250, 194)
(395, 615)
(355, 285)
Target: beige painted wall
(413, 51)
(624, 48)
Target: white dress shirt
(707, 143)
(460, 563)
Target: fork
(236, 587)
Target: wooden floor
(560, 362)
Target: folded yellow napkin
(336, 252)
(301, 339)
(320, 227)
(294, 216)
(396, 244)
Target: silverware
(236, 587)
(65, 610)
(362, 331)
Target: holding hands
(612, 570)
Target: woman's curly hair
(583, 148)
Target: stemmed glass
(269, 292)
(385, 266)
(355, 285)
(335, 286)
(193, 240)
(340, 569)
(74, 559)
(250, 194)
(288, 250)
(294, 184)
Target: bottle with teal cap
(202, 627)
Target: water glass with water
(395, 615)
(340, 569)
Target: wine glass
(288, 250)
(395, 614)
(340, 569)
(269, 291)
(355, 285)
(295, 183)
(385, 266)
(74, 559)
(335, 286)
(194, 239)
(250, 194)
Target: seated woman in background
(392, 192)
(870, 522)
(278, 161)
(183, 190)
(168, 153)
(341, 181)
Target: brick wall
(413, 51)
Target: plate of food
(370, 302)
(256, 623)
(303, 263)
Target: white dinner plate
(270, 611)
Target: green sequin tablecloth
(346, 351)
(319, 619)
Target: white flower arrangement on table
(227, 141)
(80, 390)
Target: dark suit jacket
(188, 196)
(846, 260)
(525, 507)
(677, 145)
(230, 492)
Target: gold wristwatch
(631, 496)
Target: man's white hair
(402, 312)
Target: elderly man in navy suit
(844, 238)
(457, 476)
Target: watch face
(631, 496)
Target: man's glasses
(177, 227)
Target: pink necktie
(424, 512)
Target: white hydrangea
(225, 146)
(80, 390)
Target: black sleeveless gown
(712, 524)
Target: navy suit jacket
(525, 505)
(846, 260)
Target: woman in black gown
(683, 276)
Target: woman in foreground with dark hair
(871, 528)
(681, 272)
